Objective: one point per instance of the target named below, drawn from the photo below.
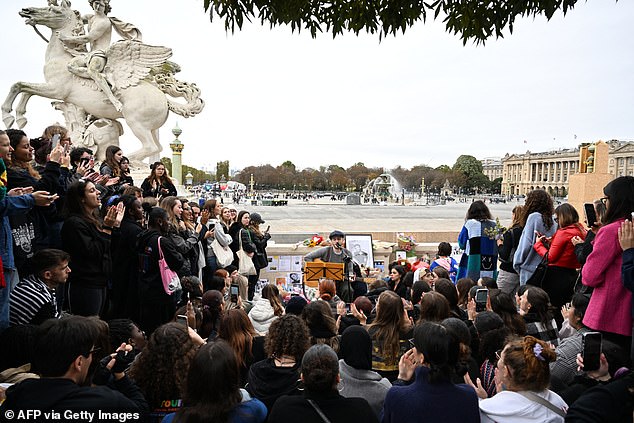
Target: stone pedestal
(177, 149)
(588, 187)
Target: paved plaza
(322, 216)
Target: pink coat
(610, 307)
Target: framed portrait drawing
(361, 248)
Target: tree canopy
(475, 20)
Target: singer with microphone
(337, 253)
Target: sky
(420, 98)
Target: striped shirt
(31, 302)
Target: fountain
(382, 188)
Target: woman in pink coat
(610, 309)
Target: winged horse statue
(138, 73)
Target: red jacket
(561, 252)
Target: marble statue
(127, 79)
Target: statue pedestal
(586, 188)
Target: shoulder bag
(171, 281)
(318, 410)
(536, 398)
(540, 273)
(245, 263)
(224, 255)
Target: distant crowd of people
(132, 300)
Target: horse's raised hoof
(8, 120)
(21, 122)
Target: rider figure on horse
(99, 32)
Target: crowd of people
(141, 305)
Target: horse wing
(130, 61)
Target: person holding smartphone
(559, 280)
(260, 239)
(610, 308)
(537, 220)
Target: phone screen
(481, 299)
(55, 141)
(348, 308)
(591, 216)
(591, 351)
(234, 292)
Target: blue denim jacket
(10, 206)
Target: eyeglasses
(498, 355)
(411, 343)
(604, 200)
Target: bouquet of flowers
(314, 241)
(406, 243)
(495, 232)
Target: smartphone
(481, 297)
(591, 215)
(348, 308)
(55, 141)
(234, 291)
(267, 229)
(182, 319)
(591, 342)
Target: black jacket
(267, 382)
(335, 407)
(125, 272)
(508, 248)
(150, 283)
(89, 251)
(148, 191)
(63, 394)
(31, 231)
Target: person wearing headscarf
(355, 368)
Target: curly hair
(287, 335)
(528, 364)
(541, 202)
(161, 370)
(388, 325)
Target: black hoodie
(267, 382)
(62, 395)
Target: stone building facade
(551, 171)
(492, 167)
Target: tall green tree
(222, 170)
(475, 20)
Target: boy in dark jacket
(63, 355)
